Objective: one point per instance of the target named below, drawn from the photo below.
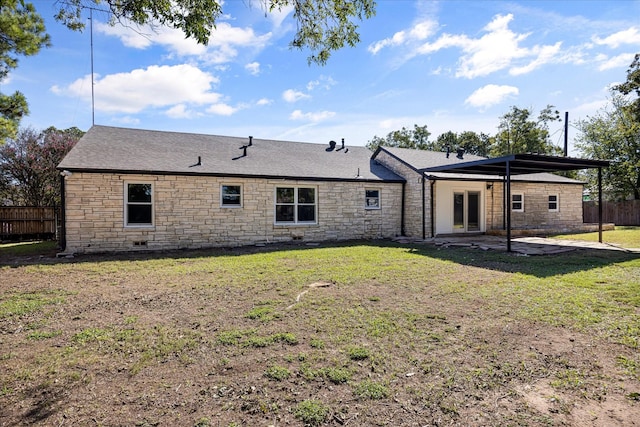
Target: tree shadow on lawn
(538, 265)
(535, 265)
(41, 403)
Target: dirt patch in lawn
(233, 338)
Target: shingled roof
(113, 149)
(422, 160)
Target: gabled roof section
(526, 167)
(112, 149)
(421, 159)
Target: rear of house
(129, 189)
(439, 203)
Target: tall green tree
(417, 138)
(632, 87)
(478, 144)
(28, 174)
(323, 26)
(473, 143)
(444, 140)
(22, 33)
(519, 133)
(613, 134)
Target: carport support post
(508, 205)
(62, 238)
(600, 204)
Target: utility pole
(566, 133)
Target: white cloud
(277, 16)
(497, 49)
(324, 82)
(180, 111)
(222, 109)
(127, 120)
(490, 95)
(396, 40)
(313, 117)
(493, 51)
(420, 31)
(253, 68)
(544, 55)
(155, 86)
(130, 37)
(264, 101)
(615, 40)
(222, 45)
(619, 61)
(291, 95)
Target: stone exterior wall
(536, 213)
(413, 196)
(187, 213)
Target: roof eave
(229, 175)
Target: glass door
(473, 211)
(458, 212)
(466, 211)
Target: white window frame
(127, 203)
(556, 202)
(368, 199)
(222, 193)
(295, 205)
(513, 202)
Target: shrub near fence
(618, 213)
(23, 222)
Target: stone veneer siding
(188, 214)
(413, 196)
(536, 213)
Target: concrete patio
(520, 245)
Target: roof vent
(332, 145)
(448, 150)
(198, 163)
(460, 152)
(250, 141)
(244, 152)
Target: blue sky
(450, 65)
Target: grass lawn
(361, 334)
(627, 237)
(28, 248)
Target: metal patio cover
(519, 164)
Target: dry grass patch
(398, 335)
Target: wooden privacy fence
(618, 213)
(23, 222)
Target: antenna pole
(93, 105)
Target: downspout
(402, 229)
(432, 207)
(62, 240)
(424, 207)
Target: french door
(466, 211)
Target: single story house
(131, 189)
